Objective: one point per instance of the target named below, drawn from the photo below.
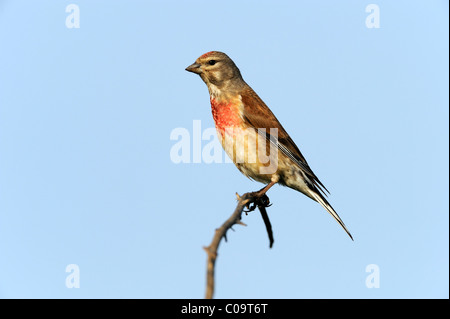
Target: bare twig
(266, 220)
(249, 201)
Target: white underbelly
(250, 152)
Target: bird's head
(217, 70)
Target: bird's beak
(194, 68)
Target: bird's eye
(212, 62)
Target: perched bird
(251, 134)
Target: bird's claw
(251, 206)
(260, 201)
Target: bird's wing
(257, 114)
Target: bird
(252, 136)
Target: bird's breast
(226, 115)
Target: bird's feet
(257, 200)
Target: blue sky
(86, 175)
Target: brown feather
(257, 114)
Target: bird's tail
(322, 201)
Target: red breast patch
(226, 115)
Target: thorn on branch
(239, 222)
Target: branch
(244, 201)
(266, 220)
